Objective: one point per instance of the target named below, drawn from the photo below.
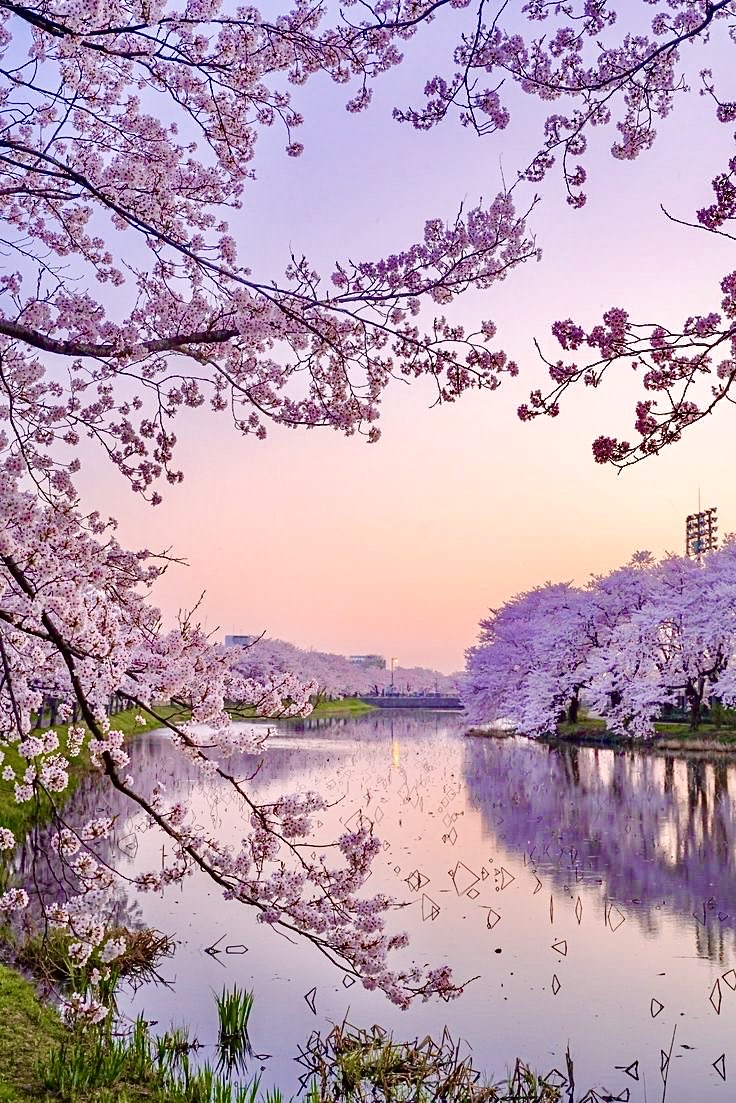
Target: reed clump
(233, 1041)
(352, 1065)
(96, 1065)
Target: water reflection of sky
(624, 863)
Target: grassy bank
(350, 705)
(20, 818)
(669, 736)
(44, 1060)
(345, 706)
(28, 1033)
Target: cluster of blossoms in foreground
(601, 67)
(645, 635)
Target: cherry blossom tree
(336, 675)
(128, 142)
(127, 275)
(678, 644)
(526, 668)
(613, 599)
(129, 135)
(420, 679)
(536, 654)
(635, 640)
(686, 367)
(332, 675)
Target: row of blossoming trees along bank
(631, 642)
(337, 676)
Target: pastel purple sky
(400, 547)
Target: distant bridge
(409, 701)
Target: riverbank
(668, 737)
(29, 1030)
(351, 706)
(344, 706)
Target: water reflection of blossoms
(658, 831)
(129, 848)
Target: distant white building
(376, 661)
(239, 641)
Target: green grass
(21, 818)
(706, 736)
(97, 1066)
(28, 1033)
(351, 705)
(233, 1041)
(668, 734)
(44, 1061)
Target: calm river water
(592, 893)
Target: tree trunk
(572, 710)
(695, 703)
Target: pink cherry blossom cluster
(87, 168)
(644, 636)
(606, 68)
(13, 900)
(85, 1009)
(628, 79)
(671, 364)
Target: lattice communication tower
(701, 532)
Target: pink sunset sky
(400, 547)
